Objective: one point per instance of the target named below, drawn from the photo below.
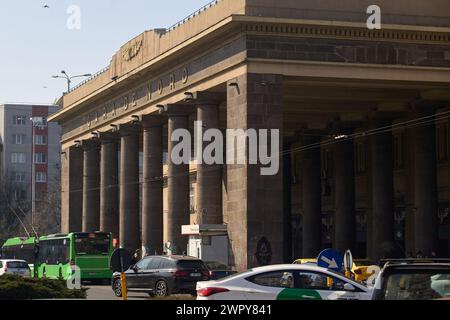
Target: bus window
(89, 246)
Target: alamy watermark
(374, 20)
(237, 146)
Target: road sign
(330, 259)
(348, 261)
(120, 260)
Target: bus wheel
(60, 274)
(117, 287)
(44, 274)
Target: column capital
(177, 110)
(128, 129)
(206, 97)
(107, 137)
(90, 144)
(151, 121)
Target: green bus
(55, 256)
(21, 249)
(91, 252)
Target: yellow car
(359, 269)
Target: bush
(18, 288)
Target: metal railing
(95, 75)
(171, 28)
(191, 16)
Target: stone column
(152, 188)
(91, 186)
(109, 180)
(178, 182)
(254, 199)
(72, 190)
(344, 218)
(382, 195)
(129, 231)
(209, 178)
(425, 188)
(311, 198)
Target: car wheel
(117, 287)
(161, 289)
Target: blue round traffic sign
(330, 259)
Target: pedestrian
(136, 256)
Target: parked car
(411, 279)
(359, 269)
(284, 282)
(15, 267)
(218, 270)
(163, 275)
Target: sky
(37, 43)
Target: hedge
(19, 288)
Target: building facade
(363, 115)
(29, 141)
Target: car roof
(12, 260)
(174, 257)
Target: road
(96, 292)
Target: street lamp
(69, 79)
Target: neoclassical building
(364, 117)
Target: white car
(15, 267)
(284, 282)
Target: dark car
(163, 275)
(411, 279)
(218, 270)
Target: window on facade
(442, 141)
(40, 158)
(41, 177)
(18, 138)
(18, 158)
(40, 140)
(20, 194)
(20, 120)
(361, 157)
(398, 151)
(19, 177)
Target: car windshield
(417, 285)
(17, 265)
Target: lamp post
(69, 79)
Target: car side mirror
(349, 287)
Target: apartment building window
(40, 140)
(442, 141)
(18, 158)
(41, 177)
(19, 139)
(20, 194)
(20, 120)
(40, 158)
(360, 157)
(19, 177)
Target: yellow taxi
(359, 269)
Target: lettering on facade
(137, 98)
(132, 51)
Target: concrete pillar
(109, 180)
(129, 231)
(255, 201)
(178, 184)
(425, 188)
(91, 186)
(311, 198)
(152, 188)
(209, 178)
(344, 218)
(382, 195)
(72, 190)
